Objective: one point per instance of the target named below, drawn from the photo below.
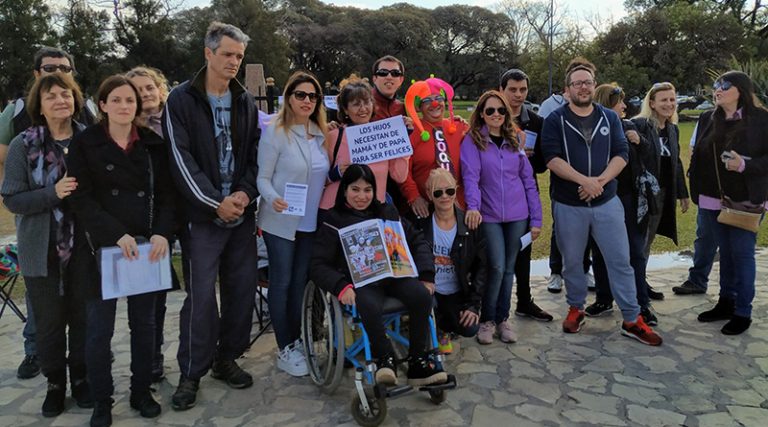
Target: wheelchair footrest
(398, 390)
(448, 385)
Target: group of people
(196, 165)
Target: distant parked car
(531, 106)
(706, 105)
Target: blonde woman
(292, 154)
(153, 89)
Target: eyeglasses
(490, 110)
(383, 72)
(580, 83)
(661, 85)
(448, 191)
(431, 100)
(51, 68)
(722, 84)
(301, 95)
(360, 103)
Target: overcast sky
(608, 9)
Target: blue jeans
(704, 248)
(737, 264)
(503, 243)
(30, 330)
(288, 275)
(605, 223)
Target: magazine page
(365, 252)
(400, 257)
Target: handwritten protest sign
(378, 141)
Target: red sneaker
(641, 332)
(573, 322)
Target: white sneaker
(555, 283)
(590, 281)
(291, 361)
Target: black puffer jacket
(468, 254)
(328, 268)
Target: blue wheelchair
(322, 329)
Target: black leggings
(414, 296)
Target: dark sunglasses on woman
(301, 95)
(439, 193)
(490, 110)
(722, 84)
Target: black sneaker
(53, 405)
(29, 368)
(648, 316)
(102, 413)
(233, 375)
(654, 294)
(737, 325)
(185, 396)
(387, 371)
(533, 311)
(723, 310)
(421, 371)
(81, 392)
(145, 404)
(598, 309)
(688, 288)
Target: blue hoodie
(561, 137)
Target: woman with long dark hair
(730, 166)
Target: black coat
(750, 140)
(113, 192)
(652, 161)
(468, 254)
(328, 268)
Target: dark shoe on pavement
(573, 321)
(533, 311)
(53, 405)
(102, 413)
(641, 332)
(145, 404)
(81, 392)
(185, 396)
(723, 310)
(688, 288)
(386, 372)
(421, 371)
(649, 317)
(598, 309)
(230, 373)
(736, 325)
(29, 368)
(654, 294)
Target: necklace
(64, 145)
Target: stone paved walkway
(698, 377)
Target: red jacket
(423, 161)
(385, 108)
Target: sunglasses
(722, 84)
(383, 72)
(51, 68)
(617, 90)
(301, 95)
(490, 110)
(439, 193)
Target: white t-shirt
(317, 176)
(446, 280)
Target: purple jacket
(499, 182)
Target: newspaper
(376, 249)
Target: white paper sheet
(530, 139)
(121, 277)
(525, 240)
(296, 197)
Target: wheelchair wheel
(323, 336)
(437, 396)
(378, 409)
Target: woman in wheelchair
(356, 202)
(460, 261)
